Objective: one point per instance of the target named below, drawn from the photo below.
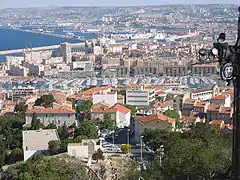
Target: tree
(173, 114)
(133, 109)
(45, 100)
(85, 109)
(88, 129)
(122, 92)
(53, 146)
(126, 148)
(20, 107)
(107, 122)
(51, 126)
(98, 155)
(15, 155)
(2, 153)
(36, 123)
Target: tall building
(66, 52)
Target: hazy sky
(31, 3)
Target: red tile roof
(216, 122)
(42, 110)
(190, 101)
(94, 90)
(201, 104)
(188, 118)
(103, 110)
(219, 97)
(226, 110)
(214, 107)
(122, 109)
(155, 117)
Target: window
(68, 115)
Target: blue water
(15, 39)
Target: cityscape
(108, 93)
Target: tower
(66, 52)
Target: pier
(38, 48)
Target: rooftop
(42, 110)
(155, 117)
(38, 139)
(219, 97)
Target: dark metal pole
(236, 114)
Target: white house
(110, 98)
(119, 113)
(58, 116)
(224, 100)
(36, 141)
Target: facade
(219, 112)
(66, 52)
(140, 96)
(36, 141)
(19, 92)
(224, 100)
(59, 117)
(85, 149)
(116, 71)
(156, 121)
(204, 69)
(205, 94)
(146, 70)
(120, 114)
(188, 106)
(175, 70)
(178, 99)
(108, 98)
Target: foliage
(126, 148)
(20, 108)
(173, 114)
(98, 155)
(15, 155)
(122, 92)
(36, 123)
(51, 126)
(88, 129)
(42, 167)
(53, 146)
(107, 123)
(45, 100)
(85, 109)
(200, 153)
(133, 109)
(2, 153)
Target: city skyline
(45, 3)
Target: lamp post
(229, 62)
(141, 137)
(161, 153)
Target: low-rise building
(224, 100)
(20, 91)
(156, 121)
(188, 106)
(85, 149)
(36, 141)
(59, 117)
(105, 97)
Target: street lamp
(141, 139)
(229, 62)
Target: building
(20, 91)
(146, 70)
(178, 99)
(205, 69)
(205, 94)
(85, 149)
(140, 96)
(36, 141)
(188, 106)
(178, 70)
(110, 98)
(118, 113)
(59, 117)
(224, 100)
(116, 71)
(155, 121)
(66, 52)
(219, 112)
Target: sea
(16, 39)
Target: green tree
(53, 146)
(36, 123)
(15, 155)
(122, 92)
(2, 153)
(133, 109)
(126, 148)
(51, 126)
(45, 100)
(173, 114)
(85, 109)
(98, 155)
(107, 122)
(20, 107)
(88, 129)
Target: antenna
(238, 35)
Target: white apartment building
(19, 91)
(204, 94)
(139, 96)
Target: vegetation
(85, 109)
(126, 148)
(122, 92)
(133, 109)
(88, 129)
(42, 167)
(173, 114)
(36, 123)
(98, 155)
(20, 109)
(200, 153)
(107, 123)
(53, 146)
(45, 100)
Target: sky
(45, 3)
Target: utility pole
(229, 61)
